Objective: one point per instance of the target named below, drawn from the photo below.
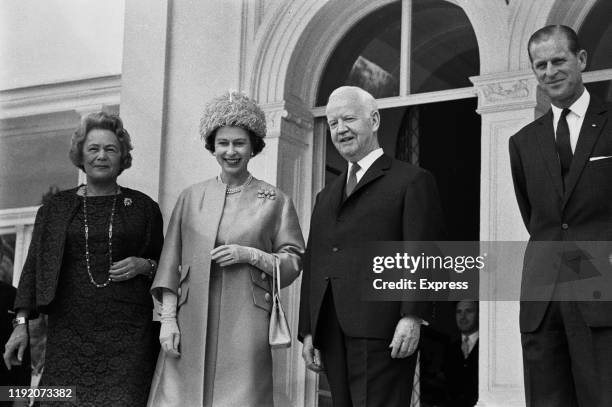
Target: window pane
(444, 51)
(31, 164)
(368, 56)
(7, 257)
(595, 36)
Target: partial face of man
(352, 125)
(558, 70)
(467, 317)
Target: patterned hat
(233, 109)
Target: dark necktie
(564, 148)
(465, 346)
(352, 179)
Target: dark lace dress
(102, 340)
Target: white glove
(169, 334)
(229, 254)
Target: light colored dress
(223, 312)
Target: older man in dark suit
(366, 348)
(562, 170)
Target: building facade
(452, 80)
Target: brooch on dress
(266, 194)
(127, 202)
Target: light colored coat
(243, 364)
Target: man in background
(461, 358)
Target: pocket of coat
(183, 289)
(259, 278)
(262, 298)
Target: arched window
(405, 48)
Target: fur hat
(233, 109)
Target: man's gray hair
(365, 98)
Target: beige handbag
(279, 334)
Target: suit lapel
(592, 126)
(337, 192)
(546, 140)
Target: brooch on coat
(127, 202)
(266, 194)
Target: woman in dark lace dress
(91, 261)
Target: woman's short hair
(102, 121)
(233, 109)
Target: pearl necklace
(110, 238)
(235, 190)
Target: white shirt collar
(366, 162)
(472, 338)
(579, 107)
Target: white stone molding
(18, 216)
(490, 21)
(59, 97)
(21, 222)
(570, 13)
(287, 163)
(143, 93)
(415, 99)
(282, 57)
(506, 102)
(505, 91)
(528, 17)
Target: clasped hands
(404, 343)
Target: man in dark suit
(366, 347)
(461, 358)
(562, 171)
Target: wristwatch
(19, 321)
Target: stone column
(506, 102)
(287, 163)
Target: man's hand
(406, 337)
(16, 346)
(312, 356)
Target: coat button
(263, 276)
(179, 291)
(335, 249)
(565, 226)
(267, 297)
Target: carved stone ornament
(503, 91)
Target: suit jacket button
(335, 249)
(263, 276)
(267, 297)
(565, 226)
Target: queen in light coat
(214, 275)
